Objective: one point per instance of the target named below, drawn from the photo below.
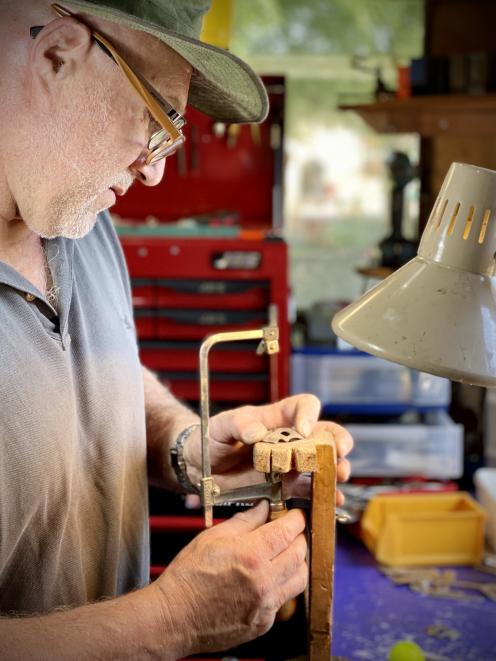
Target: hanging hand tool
(233, 131)
(195, 148)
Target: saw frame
(316, 454)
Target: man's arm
(134, 626)
(166, 417)
(248, 567)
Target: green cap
(222, 85)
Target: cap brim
(222, 86)
(429, 317)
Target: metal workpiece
(210, 492)
(342, 516)
(271, 490)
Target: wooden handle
(288, 609)
(277, 514)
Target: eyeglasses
(167, 139)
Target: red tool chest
(185, 289)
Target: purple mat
(371, 614)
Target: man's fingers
(342, 438)
(276, 536)
(289, 561)
(343, 469)
(244, 522)
(243, 424)
(249, 424)
(293, 586)
(306, 413)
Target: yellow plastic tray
(418, 529)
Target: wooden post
(323, 533)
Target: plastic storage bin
(360, 380)
(490, 427)
(414, 529)
(485, 484)
(433, 449)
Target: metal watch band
(178, 463)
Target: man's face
(92, 138)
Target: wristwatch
(178, 463)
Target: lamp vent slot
(451, 227)
(435, 209)
(440, 217)
(468, 223)
(485, 222)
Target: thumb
(246, 521)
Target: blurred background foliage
(318, 27)
(336, 181)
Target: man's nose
(149, 175)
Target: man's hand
(232, 433)
(223, 589)
(227, 585)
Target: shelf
(432, 116)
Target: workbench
(371, 614)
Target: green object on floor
(406, 650)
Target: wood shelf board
(460, 101)
(432, 116)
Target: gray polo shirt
(73, 496)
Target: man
(80, 416)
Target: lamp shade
(437, 313)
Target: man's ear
(59, 49)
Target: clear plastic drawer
(340, 378)
(432, 450)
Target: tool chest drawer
(144, 294)
(197, 324)
(145, 322)
(236, 357)
(194, 293)
(248, 388)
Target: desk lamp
(437, 313)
